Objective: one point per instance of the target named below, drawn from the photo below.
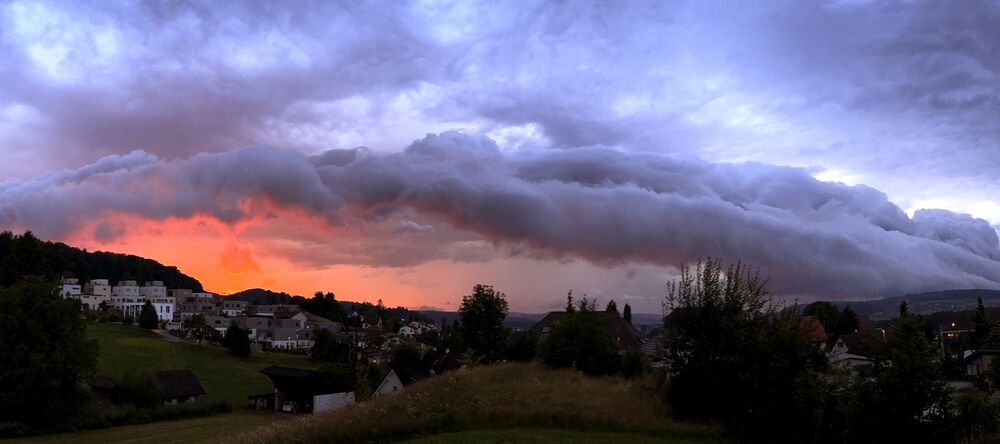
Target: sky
(408, 150)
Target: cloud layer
(607, 206)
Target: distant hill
(524, 321)
(24, 255)
(261, 296)
(925, 303)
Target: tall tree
(847, 322)
(147, 317)
(46, 356)
(824, 312)
(325, 305)
(627, 313)
(581, 341)
(981, 326)
(237, 340)
(737, 359)
(327, 347)
(902, 398)
(569, 302)
(612, 306)
(483, 313)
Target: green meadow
(225, 377)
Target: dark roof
(625, 336)
(982, 352)
(103, 383)
(855, 342)
(408, 376)
(288, 372)
(436, 363)
(179, 384)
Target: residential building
(164, 306)
(125, 297)
(98, 287)
(622, 334)
(233, 308)
(178, 386)
(407, 332)
(153, 290)
(272, 310)
(433, 363)
(70, 288)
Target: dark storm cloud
(607, 206)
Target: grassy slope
(208, 429)
(545, 436)
(225, 378)
(510, 396)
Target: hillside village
(270, 327)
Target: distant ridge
(925, 303)
(261, 296)
(23, 255)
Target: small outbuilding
(298, 390)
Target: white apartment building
(156, 294)
(95, 292)
(153, 289)
(98, 287)
(70, 288)
(125, 297)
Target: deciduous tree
(46, 356)
(482, 314)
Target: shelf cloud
(607, 206)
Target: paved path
(167, 336)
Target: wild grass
(208, 429)
(546, 436)
(507, 396)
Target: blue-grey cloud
(606, 206)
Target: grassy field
(225, 378)
(502, 401)
(545, 436)
(207, 429)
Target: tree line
(24, 256)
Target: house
(371, 323)
(624, 336)
(397, 379)
(979, 361)
(179, 386)
(407, 332)
(286, 338)
(272, 311)
(846, 352)
(433, 363)
(233, 308)
(70, 288)
(299, 390)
